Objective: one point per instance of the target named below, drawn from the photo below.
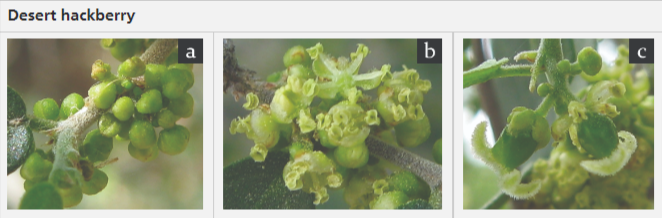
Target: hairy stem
(476, 77)
(427, 170)
(158, 51)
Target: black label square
(428, 51)
(641, 51)
(189, 51)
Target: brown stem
(158, 51)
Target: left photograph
(103, 124)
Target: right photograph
(557, 124)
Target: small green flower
(342, 73)
(260, 127)
(312, 172)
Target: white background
(345, 19)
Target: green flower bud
(166, 119)
(125, 49)
(98, 182)
(295, 55)
(175, 82)
(389, 200)
(300, 71)
(150, 102)
(174, 140)
(142, 134)
(70, 105)
(153, 73)
(324, 139)
(46, 108)
(109, 126)
(437, 151)
(590, 61)
(352, 157)
(101, 71)
(183, 106)
(42, 195)
(282, 108)
(125, 126)
(544, 89)
(127, 84)
(413, 132)
(103, 94)
(137, 92)
(132, 67)
(108, 43)
(96, 147)
(144, 155)
(71, 196)
(410, 184)
(36, 167)
(123, 108)
(297, 149)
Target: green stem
(471, 78)
(42, 125)
(550, 53)
(544, 106)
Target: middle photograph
(331, 124)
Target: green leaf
(415, 204)
(15, 104)
(259, 185)
(41, 196)
(20, 144)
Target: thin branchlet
(240, 81)
(158, 51)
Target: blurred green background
(265, 56)
(54, 68)
(480, 182)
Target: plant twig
(158, 51)
(240, 81)
(473, 78)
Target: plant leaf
(15, 104)
(259, 185)
(20, 144)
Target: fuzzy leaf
(20, 144)
(259, 185)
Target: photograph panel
(331, 124)
(104, 124)
(557, 123)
